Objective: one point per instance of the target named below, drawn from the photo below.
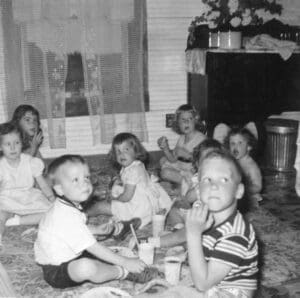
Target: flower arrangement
(230, 14)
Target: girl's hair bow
(222, 130)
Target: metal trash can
(281, 147)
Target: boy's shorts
(58, 276)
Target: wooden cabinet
(242, 86)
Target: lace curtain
(109, 35)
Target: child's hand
(37, 139)
(198, 219)
(117, 190)
(163, 143)
(134, 265)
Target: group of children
(221, 245)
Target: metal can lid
(279, 125)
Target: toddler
(27, 119)
(176, 165)
(241, 142)
(222, 247)
(65, 247)
(135, 194)
(18, 173)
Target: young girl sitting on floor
(27, 119)
(177, 214)
(137, 196)
(176, 164)
(241, 142)
(18, 172)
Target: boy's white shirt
(63, 235)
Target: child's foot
(13, 221)
(125, 230)
(148, 274)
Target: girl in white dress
(20, 202)
(27, 119)
(135, 194)
(176, 164)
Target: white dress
(17, 194)
(148, 197)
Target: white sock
(13, 221)
(122, 272)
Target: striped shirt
(233, 242)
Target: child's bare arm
(105, 254)
(164, 146)
(127, 194)
(173, 239)
(204, 274)
(45, 188)
(254, 183)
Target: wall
(168, 21)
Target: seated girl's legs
(31, 219)
(99, 207)
(23, 220)
(171, 175)
(93, 270)
(3, 218)
(162, 161)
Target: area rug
(279, 246)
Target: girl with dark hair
(27, 119)
(135, 194)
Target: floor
(282, 201)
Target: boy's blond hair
(227, 156)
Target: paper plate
(123, 251)
(105, 292)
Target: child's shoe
(125, 231)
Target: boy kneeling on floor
(65, 247)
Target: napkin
(285, 48)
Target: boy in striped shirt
(222, 247)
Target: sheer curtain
(109, 35)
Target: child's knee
(83, 269)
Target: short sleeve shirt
(62, 236)
(234, 243)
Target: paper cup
(172, 269)
(158, 224)
(146, 253)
